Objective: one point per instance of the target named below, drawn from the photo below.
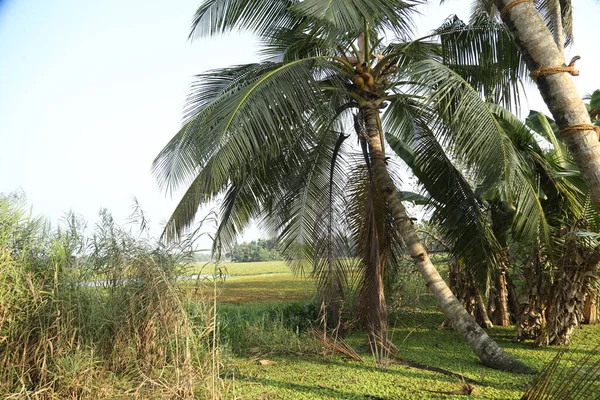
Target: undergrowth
(98, 315)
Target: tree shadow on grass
(315, 391)
(276, 389)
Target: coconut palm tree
(546, 62)
(271, 137)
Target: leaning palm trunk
(558, 90)
(486, 349)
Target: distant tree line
(256, 250)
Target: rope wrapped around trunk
(541, 71)
(570, 130)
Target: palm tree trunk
(538, 48)
(513, 299)
(501, 314)
(481, 315)
(373, 311)
(590, 308)
(558, 27)
(486, 349)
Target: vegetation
(512, 209)
(256, 250)
(300, 367)
(61, 336)
(273, 141)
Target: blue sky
(90, 91)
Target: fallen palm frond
(574, 377)
(338, 344)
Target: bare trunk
(501, 313)
(332, 308)
(513, 300)
(590, 308)
(466, 291)
(558, 90)
(559, 37)
(481, 315)
(501, 223)
(486, 349)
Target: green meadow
(269, 351)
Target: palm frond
(485, 6)
(241, 130)
(221, 16)
(309, 215)
(378, 247)
(548, 10)
(458, 210)
(351, 16)
(547, 128)
(573, 377)
(462, 121)
(485, 55)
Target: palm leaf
(548, 10)
(351, 16)
(262, 17)
(457, 209)
(485, 55)
(242, 130)
(462, 121)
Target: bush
(266, 328)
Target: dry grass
(61, 339)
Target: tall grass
(128, 336)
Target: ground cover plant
(271, 353)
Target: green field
(263, 307)
(259, 282)
(235, 269)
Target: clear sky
(90, 91)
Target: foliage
(271, 137)
(305, 370)
(324, 376)
(267, 328)
(259, 250)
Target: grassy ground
(302, 369)
(260, 282)
(237, 269)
